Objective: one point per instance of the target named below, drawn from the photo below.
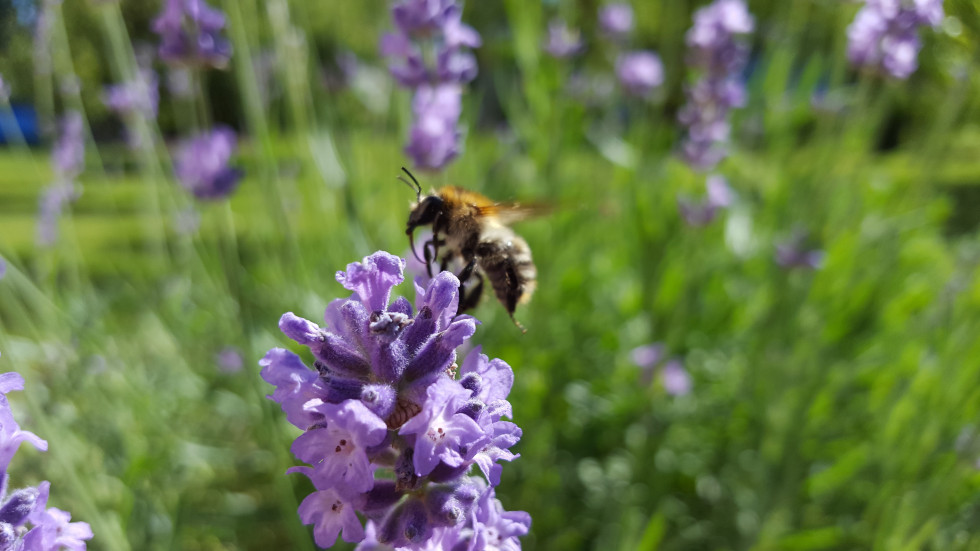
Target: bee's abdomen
(506, 261)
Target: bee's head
(424, 213)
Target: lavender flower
(139, 96)
(191, 34)
(719, 196)
(52, 201)
(563, 41)
(25, 521)
(390, 429)
(432, 30)
(675, 379)
(202, 165)
(434, 138)
(229, 360)
(793, 253)
(884, 34)
(640, 73)
(68, 155)
(616, 20)
(3, 267)
(717, 53)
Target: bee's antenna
(417, 187)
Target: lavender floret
(202, 164)
(563, 41)
(138, 96)
(191, 33)
(719, 196)
(389, 429)
(616, 20)
(640, 73)
(794, 253)
(68, 155)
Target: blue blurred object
(20, 115)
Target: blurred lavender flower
(190, 34)
(202, 165)
(676, 380)
(432, 30)
(3, 267)
(389, 429)
(719, 196)
(68, 154)
(793, 253)
(139, 96)
(563, 41)
(229, 360)
(50, 529)
(884, 34)
(68, 160)
(434, 138)
(717, 53)
(52, 201)
(640, 72)
(616, 20)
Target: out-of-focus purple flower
(793, 253)
(676, 380)
(3, 267)
(640, 73)
(616, 20)
(422, 17)
(434, 138)
(25, 521)
(563, 41)
(648, 355)
(52, 201)
(229, 360)
(719, 196)
(885, 34)
(389, 430)
(717, 52)
(141, 95)
(68, 155)
(191, 34)
(433, 31)
(202, 165)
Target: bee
(472, 229)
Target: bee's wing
(508, 213)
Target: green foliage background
(833, 409)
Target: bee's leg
(469, 297)
(428, 255)
(467, 271)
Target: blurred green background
(831, 409)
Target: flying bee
(473, 229)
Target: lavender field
(750, 321)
